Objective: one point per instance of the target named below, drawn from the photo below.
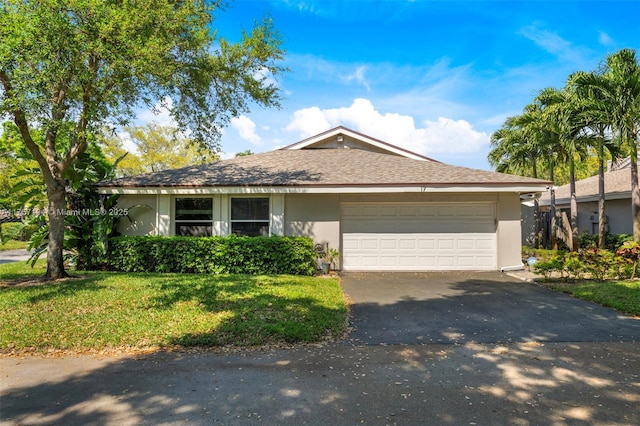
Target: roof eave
(324, 189)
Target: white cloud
(605, 39)
(443, 135)
(127, 141)
(358, 76)
(552, 43)
(246, 129)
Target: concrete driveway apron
(481, 307)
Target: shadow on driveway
(410, 384)
(480, 307)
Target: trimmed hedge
(209, 255)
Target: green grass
(14, 245)
(7, 229)
(102, 311)
(623, 296)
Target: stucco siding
(618, 213)
(142, 212)
(509, 231)
(313, 215)
(318, 216)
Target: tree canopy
(70, 67)
(156, 148)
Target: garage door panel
(427, 262)
(408, 211)
(485, 244)
(426, 244)
(466, 261)
(446, 211)
(406, 244)
(446, 243)
(369, 261)
(389, 244)
(388, 261)
(350, 244)
(446, 262)
(369, 244)
(407, 261)
(466, 244)
(419, 237)
(369, 211)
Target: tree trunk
(554, 222)
(574, 206)
(537, 238)
(635, 193)
(601, 197)
(536, 211)
(57, 206)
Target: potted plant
(329, 256)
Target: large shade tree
(70, 67)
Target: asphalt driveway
(480, 307)
(591, 378)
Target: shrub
(540, 254)
(630, 252)
(554, 264)
(600, 263)
(611, 241)
(574, 265)
(213, 255)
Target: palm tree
(543, 143)
(617, 89)
(561, 116)
(594, 117)
(516, 151)
(512, 152)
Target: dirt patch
(36, 281)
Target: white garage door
(419, 237)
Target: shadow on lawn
(255, 310)
(520, 378)
(49, 290)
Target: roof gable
(342, 137)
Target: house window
(194, 217)
(250, 216)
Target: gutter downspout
(512, 268)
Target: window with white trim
(250, 216)
(194, 217)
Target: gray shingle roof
(617, 184)
(321, 167)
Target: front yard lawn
(110, 311)
(13, 245)
(623, 296)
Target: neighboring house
(617, 184)
(385, 208)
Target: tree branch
(79, 144)
(20, 120)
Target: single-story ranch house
(383, 207)
(617, 184)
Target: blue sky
(435, 77)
